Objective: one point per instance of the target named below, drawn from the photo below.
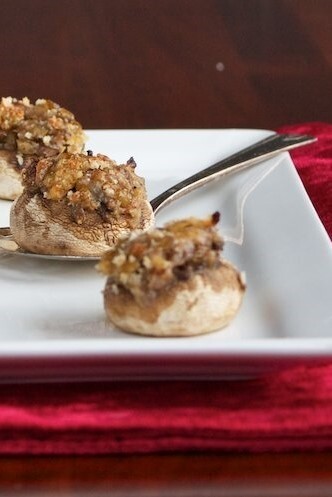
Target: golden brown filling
(89, 183)
(43, 128)
(152, 261)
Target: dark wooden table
(171, 64)
(177, 475)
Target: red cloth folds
(290, 410)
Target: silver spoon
(258, 152)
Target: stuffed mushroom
(172, 281)
(78, 204)
(39, 129)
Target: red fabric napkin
(285, 411)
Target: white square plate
(52, 322)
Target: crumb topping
(152, 261)
(89, 183)
(43, 128)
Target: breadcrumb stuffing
(89, 183)
(43, 128)
(152, 261)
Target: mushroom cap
(10, 177)
(206, 302)
(46, 226)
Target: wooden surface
(165, 64)
(181, 475)
(172, 63)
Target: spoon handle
(247, 157)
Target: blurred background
(171, 63)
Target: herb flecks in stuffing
(89, 183)
(151, 262)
